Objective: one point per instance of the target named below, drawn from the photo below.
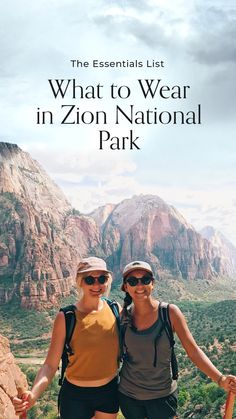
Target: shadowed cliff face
(42, 237)
(12, 380)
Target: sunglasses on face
(133, 281)
(90, 280)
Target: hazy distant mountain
(101, 214)
(42, 237)
(225, 249)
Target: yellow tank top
(95, 346)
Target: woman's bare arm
(51, 363)
(48, 369)
(197, 356)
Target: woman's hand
(23, 402)
(228, 383)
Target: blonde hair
(79, 278)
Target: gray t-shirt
(139, 378)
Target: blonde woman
(90, 385)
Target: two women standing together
(146, 388)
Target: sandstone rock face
(146, 228)
(12, 380)
(41, 236)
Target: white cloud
(72, 166)
(192, 168)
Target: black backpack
(70, 319)
(163, 312)
(165, 318)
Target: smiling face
(91, 284)
(140, 291)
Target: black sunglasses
(90, 280)
(145, 280)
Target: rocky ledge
(12, 380)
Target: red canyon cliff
(42, 237)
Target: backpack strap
(165, 318)
(115, 310)
(126, 321)
(70, 320)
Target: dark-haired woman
(146, 388)
(90, 385)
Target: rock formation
(42, 237)
(12, 380)
(223, 248)
(145, 227)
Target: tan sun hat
(137, 264)
(132, 266)
(92, 264)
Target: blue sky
(191, 167)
